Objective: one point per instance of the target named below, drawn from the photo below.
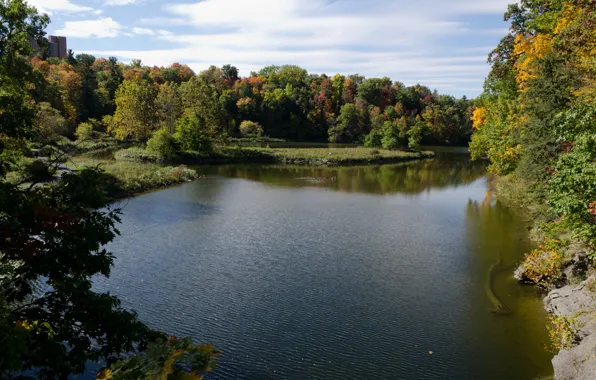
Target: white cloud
(120, 2)
(101, 28)
(45, 6)
(151, 32)
(402, 39)
(148, 32)
(170, 21)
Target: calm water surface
(335, 273)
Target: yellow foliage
(529, 49)
(479, 117)
(105, 374)
(567, 17)
(543, 264)
(563, 332)
(25, 325)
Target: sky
(442, 44)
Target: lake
(380, 272)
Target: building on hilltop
(57, 47)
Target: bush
(49, 123)
(415, 135)
(137, 155)
(38, 171)
(544, 265)
(563, 332)
(373, 140)
(85, 132)
(162, 143)
(390, 142)
(192, 135)
(250, 129)
(130, 177)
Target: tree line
(536, 121)
(135, 102)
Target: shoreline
(570, 301)
(135, 171)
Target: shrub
(191, 134)
(183, 173)
(373, 139)
(37, 171)
(49, 123)
(390, 142)
(415, 136)
(136, 155)
(162, 143)
(85, 132)
(544, 265)
(563, 332)
(250, 129)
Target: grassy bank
(294, 156)
(127, 178)
(340, 156)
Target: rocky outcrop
(579, 362)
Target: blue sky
(439, 43)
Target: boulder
(579, 362)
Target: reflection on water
(497, 239)
(449, 170)
(335, 273)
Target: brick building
(57, 47)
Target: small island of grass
(294, 156)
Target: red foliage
(592, 208)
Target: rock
(579, 264)
(520, 275)
(568, 300)
(579, 362)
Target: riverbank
(295, 156)
(128, 178)
(563, 267)
(136, 170)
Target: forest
(536, 121)
(86, 97)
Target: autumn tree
(52, 244)
(136, 112)
(169, 106)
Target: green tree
(136, 113)
(250, 129)
(192, 135)
(162, 143)
(169, 106)
(49, 123)
(85, 132)
(52, 241)
(16, 34)
(349, 125)
(391, 136)
(202, 98)
(415, 134)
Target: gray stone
(579, 362)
